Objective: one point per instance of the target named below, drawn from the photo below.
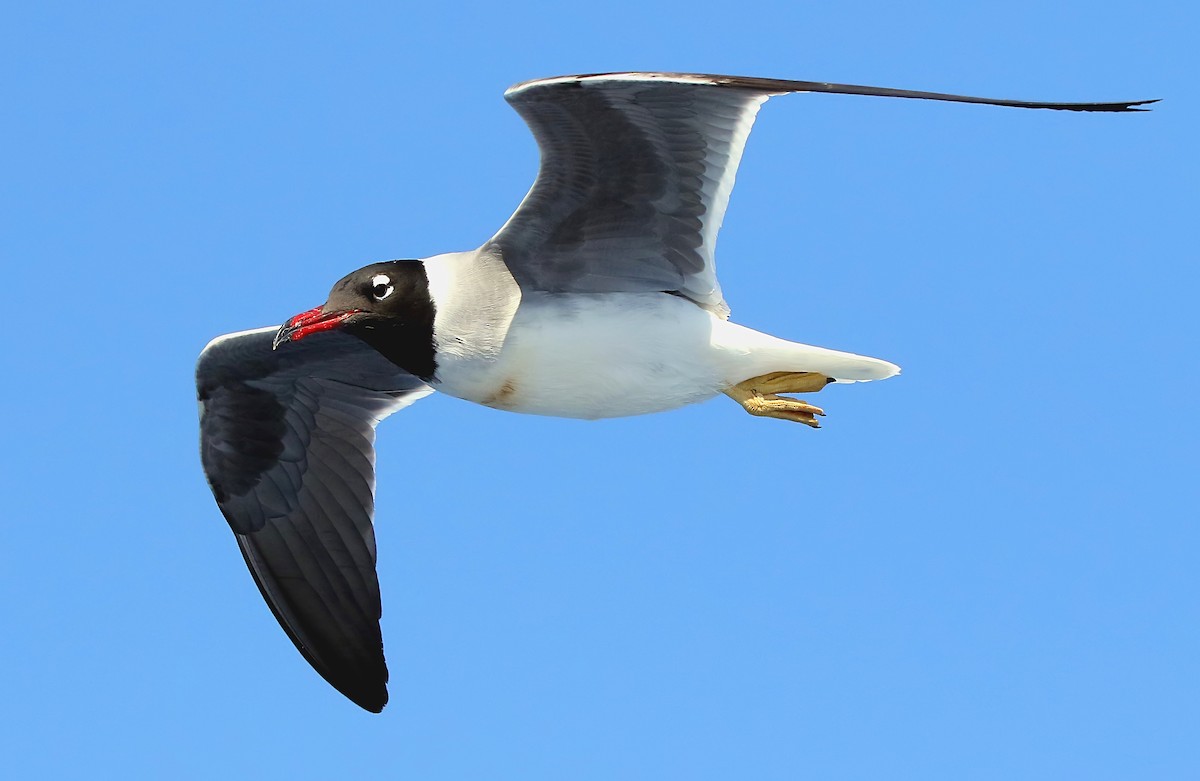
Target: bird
(598, 298)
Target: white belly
(586, 356)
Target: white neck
(475, 298)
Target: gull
(598, 298)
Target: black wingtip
(1120, 106)
(781, 86)
(1129, 106)
(369, 701)
(358, 682)
(367, 690)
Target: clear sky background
(983, 569)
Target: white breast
(593, 356)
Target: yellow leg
(787, 382)
(757, 396)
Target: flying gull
(598, 298)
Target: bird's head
(387, 305)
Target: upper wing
(636, 173)
(287, 444)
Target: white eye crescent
(381, 286)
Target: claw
(758, 396)
(811, 422)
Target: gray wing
(636, 172)
(287, 444)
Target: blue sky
(985, 568)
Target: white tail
(751, 353)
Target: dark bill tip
(313, 321)
(284, 334)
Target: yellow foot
(768, 405)
(787, 382)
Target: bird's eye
(381, 286)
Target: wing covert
(634, 179)
(636, 172)
(287, 444)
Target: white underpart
(612, 355)
(719, 199)
(216, 341)
(601, 77)
(677, 78)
